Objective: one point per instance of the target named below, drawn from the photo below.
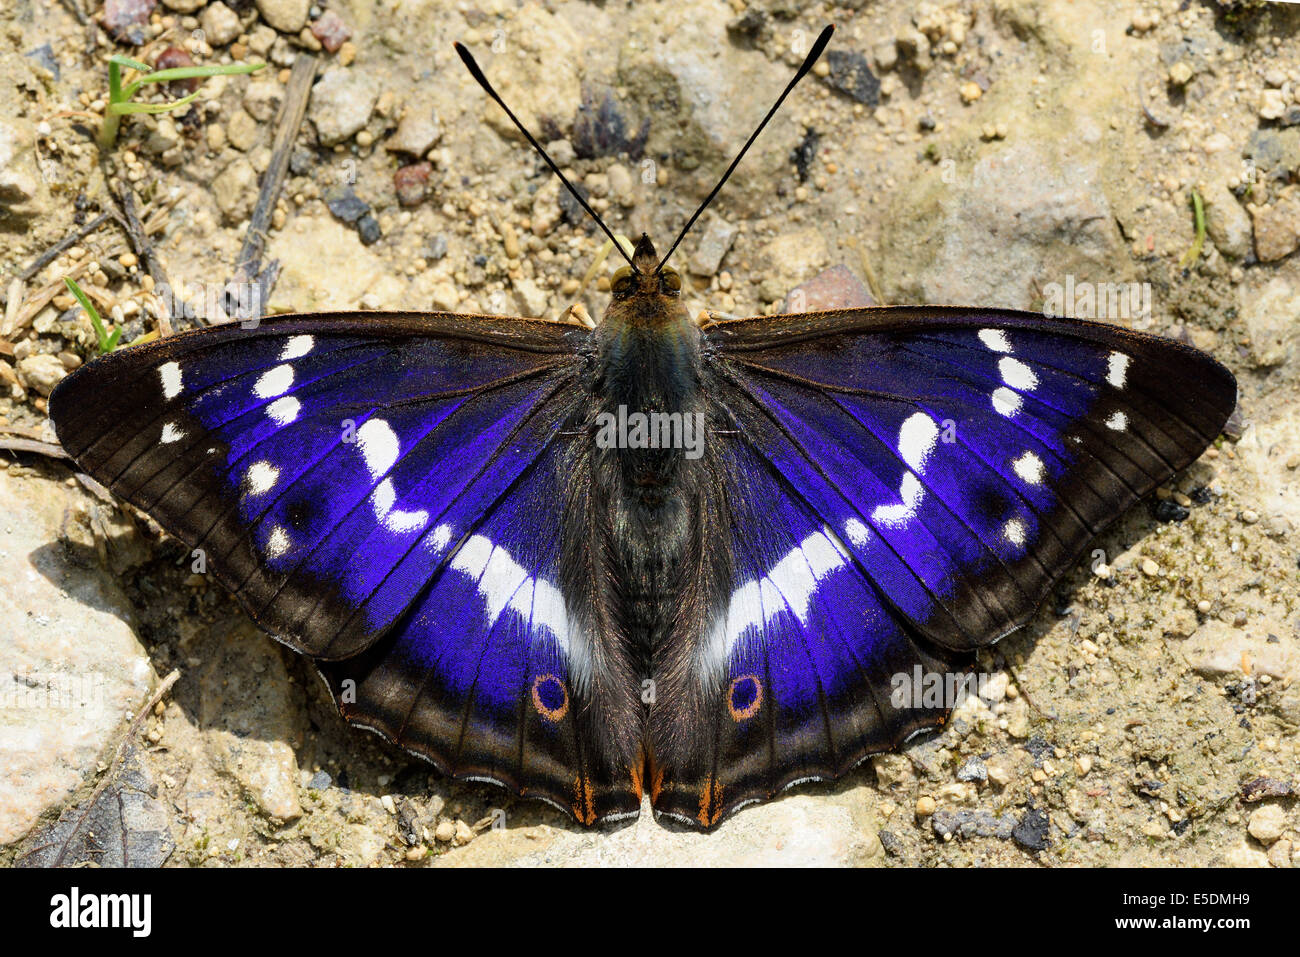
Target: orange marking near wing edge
(710, 802)
(584, 800)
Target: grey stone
(220, 24)
(71, 668)
(287, 16)
(715, 239)
(235, 190)
(417, 132)
(1227, 224)
(341, 104)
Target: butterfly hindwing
(800, 653)
(382, 495)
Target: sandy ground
(975, 152)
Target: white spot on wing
(171, 434)
(916, 440)
(441, 536)
(1017, 375)
(995, 339)
(1117, 422)
(895, 515)
(378, 444)
(284, 410)
(395, 519)
(273, 382)
(1117, 369)
(1014, 531)
(504, 584)
(277, 543)
(261, 478)
(857, 532)
(297, 347)
(790, 585)
(1029, 467)
(1006, 401)
(170, 374)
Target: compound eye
(672, 280)
(622, 284)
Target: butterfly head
(645, 279)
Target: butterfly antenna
(822, 39)
(477, 74)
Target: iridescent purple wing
(381, 494)
(932, 473)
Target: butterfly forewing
(967, 457)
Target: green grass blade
(106, 342)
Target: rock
(41, 372)
(852, 76)
(885, 53)
(1269, 315)
(19, 187)
(1243, 855)
(71, 668)
(235, 190)
(369, 230)
(715, 239)
(531, 298)
(331, 31)
(1267, 823)
(621, 185)
(1218, 650)
(345, 204)
(1277, 227)
(183, 6)
(287, 16)
(1025, 216)
(417, 132)
(411, 183)
(262, 99)
(791, 258)
(248, 713)
(241, 130)
(220, 24)
(1271, 105)
(946, 823)
(833, 288)
(1274, 151)
(341, 104)
(128, 20)
(973, 770)
(1033, 830)
(1227, 224)
(1279, 855)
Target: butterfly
(495, 564)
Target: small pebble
(1150, 568)
(445, 831)
(925, 806)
